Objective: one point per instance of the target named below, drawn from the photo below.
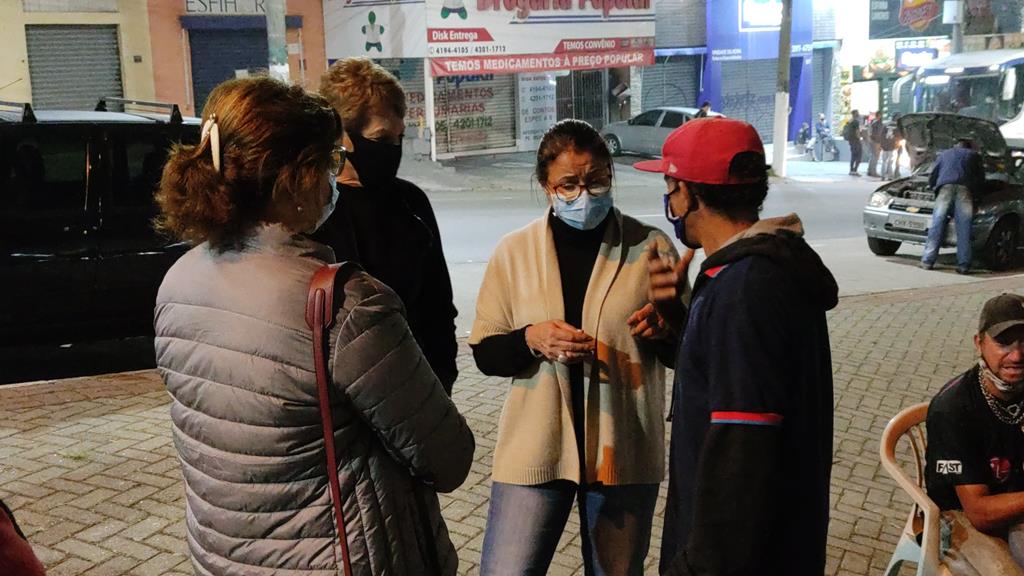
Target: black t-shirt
(968, 444)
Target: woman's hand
(648, 324)
(559, 341)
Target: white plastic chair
(923, 522)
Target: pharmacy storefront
(492, 75)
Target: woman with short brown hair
(234, 350)
(384, 222)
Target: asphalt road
(479, 200)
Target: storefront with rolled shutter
(475, 113)
(73, 66)
(225, 47)
(674, 80)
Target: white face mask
(328, 208)
(1000, 384)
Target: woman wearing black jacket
(383, 222)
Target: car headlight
(878, 200)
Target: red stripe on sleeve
(761, 418)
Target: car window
(138, 158)
(43, 170)
(672, 120)
(647, 118)
(138, 155)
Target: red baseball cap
(702, 150)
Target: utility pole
(277, 47)
(781, 129)
(957, 20)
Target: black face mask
(375, 162)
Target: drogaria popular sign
(510, 36)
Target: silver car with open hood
(901, 211)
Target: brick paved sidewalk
(88, 464)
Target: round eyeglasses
(337, 159)
(570, 191)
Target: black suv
(79, 259)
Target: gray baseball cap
(1001, 313)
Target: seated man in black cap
(975, 454)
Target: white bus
(987, 84)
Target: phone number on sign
(465, 123)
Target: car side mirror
(631, 121)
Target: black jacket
(394, 236)
(751, 449)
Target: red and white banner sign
(540, 62)
(512, 36)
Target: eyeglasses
(337, 159)
(570, 191)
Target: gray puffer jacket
(235, 353)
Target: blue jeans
(524, 524)
(959, 198)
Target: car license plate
(914, 224)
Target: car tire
(880, 247)
(614, 146)
(1001, 246)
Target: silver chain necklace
(1012, 414)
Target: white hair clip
(210, 129)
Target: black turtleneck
(508, 354)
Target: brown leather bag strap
(320, 318)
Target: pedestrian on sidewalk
(564, 311)
(888, 146)
(383, 222)
(236, 354)
(822, 139)
(897, 135)
(957, 176)
(876, 137)
(751, 413)
(975, 449)
(851, 133)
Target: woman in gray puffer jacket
(236, 355)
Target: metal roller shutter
(218, 53)
(822, 66)
(409, 72)
(475, 112)
(73, 66)
(672, 81)
(748, 93)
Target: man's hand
(647, 323)
(560, 341)
(667, 278)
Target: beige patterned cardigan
(624, 388)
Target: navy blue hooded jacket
(751, 452)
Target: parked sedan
(901, 211)
(646, 132)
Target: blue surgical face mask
(679, 222)
(328, 208)
(583, 213)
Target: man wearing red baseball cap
(751, 450)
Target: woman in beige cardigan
(564, 311)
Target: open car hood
(927, 134)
